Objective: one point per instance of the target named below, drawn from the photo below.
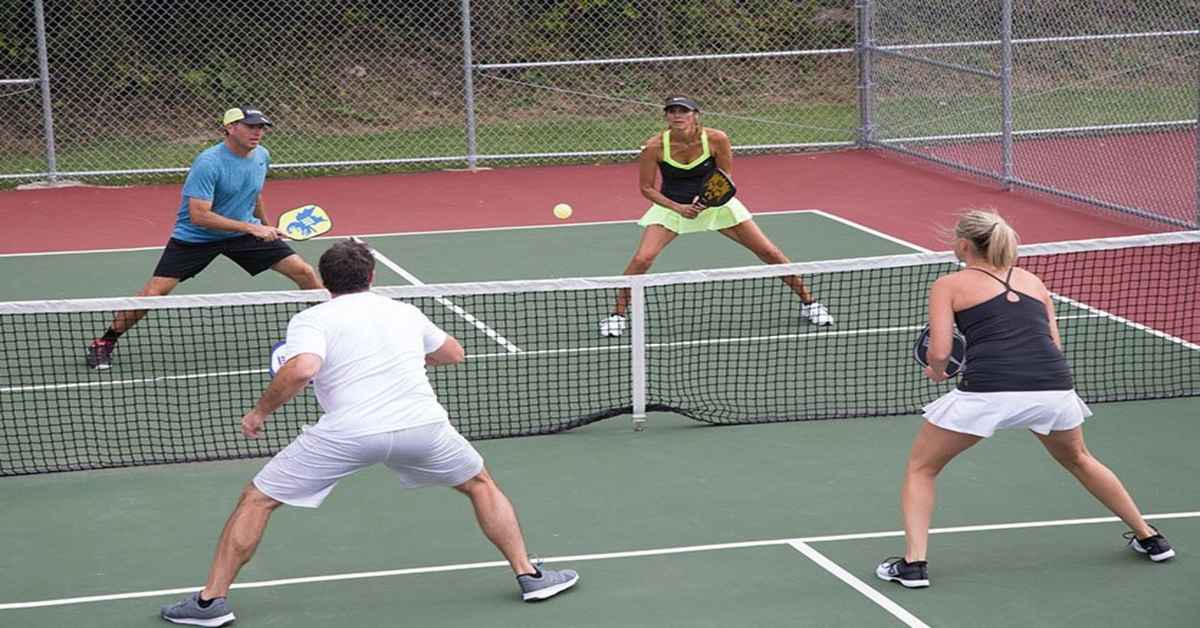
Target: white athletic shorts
(981, 414)
(305, 472)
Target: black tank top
(681, 182)
(1009, 346)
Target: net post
(469, 84)
(637, 366)
(1006, 89)
(39, 16)
(862, 47)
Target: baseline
(585, 557)
(392, 234)
(511, 349)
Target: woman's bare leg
(747, 234)
(933, 448)
(655, 238)
(1068, 448)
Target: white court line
(393, 234)
(815, 335)
(447, 303)
(1057, 297)
(1121, 319)
(858, 585)
(123, 382)
(712, 341)
(587, 557)
(812, 335)
(1071, 317)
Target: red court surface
(1142, 170)
(897, 196)
(1156, 287)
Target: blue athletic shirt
(232, 183)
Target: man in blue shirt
(221, 213)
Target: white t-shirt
(372, 378)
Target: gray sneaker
(547, 584)
(188, 611)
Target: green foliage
(14, 52)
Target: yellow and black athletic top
(681, 182)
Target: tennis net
(724, 346)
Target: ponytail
(993, 238)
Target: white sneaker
(816, 314)
(613, 325)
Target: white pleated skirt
(981, 414)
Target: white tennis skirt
(981, 414)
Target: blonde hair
(992, 237)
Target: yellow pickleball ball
(562, 211)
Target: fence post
(39, 17)
(1006, 88)
(1196, 152)
(468, 83)
(866, 96)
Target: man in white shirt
(366, 356)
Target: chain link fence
(775, 75)
(1097, 103)
(138, 87)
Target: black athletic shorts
(183, 260)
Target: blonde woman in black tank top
(1016, 376)
(682, 156)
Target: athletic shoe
(1156, 547)
(816, 314)
(99, 353)
(188, 611)
(613, 325)
(546, 584)
(913, 575)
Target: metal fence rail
(1098, 104)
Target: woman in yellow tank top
(683, 155)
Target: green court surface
(680, 525)
(569, 250)
(603, 490)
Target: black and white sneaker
(914, 575)
(99, 354)
(1156, 547)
